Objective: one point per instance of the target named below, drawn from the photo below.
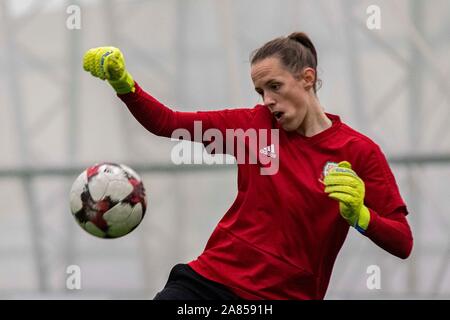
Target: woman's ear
(308, 75)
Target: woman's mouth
(278, 115)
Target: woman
(281, 236)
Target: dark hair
(295, 52)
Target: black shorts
(186, 284)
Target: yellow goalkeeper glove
(344, 185)
(108, 63)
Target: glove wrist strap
(363, 220)
(124, 85)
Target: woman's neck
(315, 120)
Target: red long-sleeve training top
(281, 236)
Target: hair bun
(302, 38)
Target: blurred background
(391, 83)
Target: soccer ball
(108, 200)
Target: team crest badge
(326, 169)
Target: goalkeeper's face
(286, 95)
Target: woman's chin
(287, 126)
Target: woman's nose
(269, 101)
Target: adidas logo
(269, 151)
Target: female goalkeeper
(281, 236)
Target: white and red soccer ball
(108, 200)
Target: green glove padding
(344, 185)
(107, 63)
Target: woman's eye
(275, 86)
